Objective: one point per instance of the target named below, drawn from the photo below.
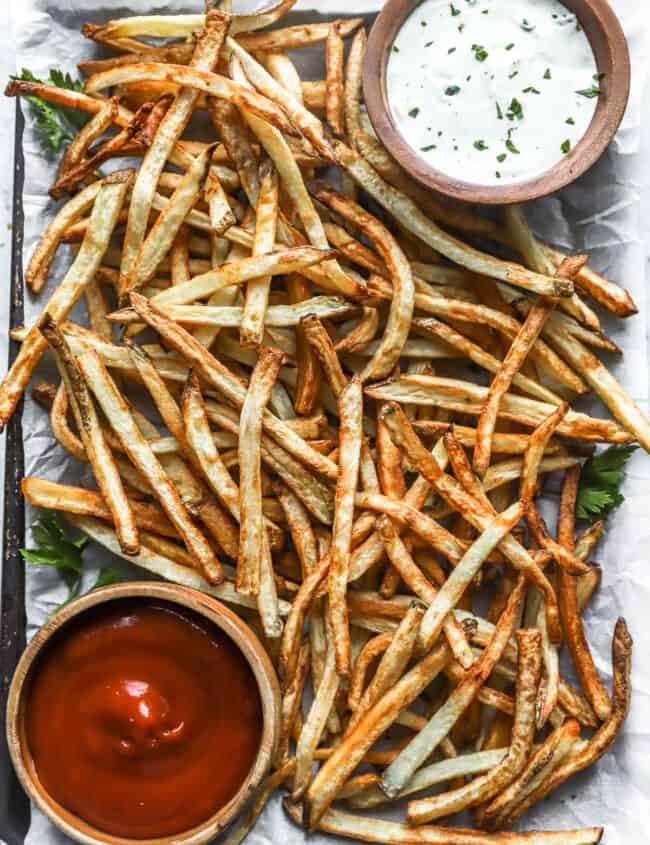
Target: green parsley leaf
(107, 575)
(501, 157)
(515, 110)
(480, 145)
(414, 112)
(531, 90)
(461, 27)
(510, 146)
(395, 48)
(600, 481)
(497, 174)
(510, 46)
(499, 112)
(547, 73)
(527, 26)
(452, 90)
(428, 148)
(566, 146)
(480, 54)
(55, 548)
(54, 123)
(513, 74)
(454, 10)
(451, 50)
(590, 93)
(570, 121)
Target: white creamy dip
(492, 91)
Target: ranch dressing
(492, 91)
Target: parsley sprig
(54, 123)
(600, 481)
(54, 548)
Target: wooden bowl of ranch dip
(496, 101)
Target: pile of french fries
(308, 460)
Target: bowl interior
(206, 607)
(610, 50)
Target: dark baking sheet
(14, 806)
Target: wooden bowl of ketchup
(143, 712)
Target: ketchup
(143, 719)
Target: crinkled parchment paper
(600, 214)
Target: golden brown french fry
(553, 751)
(83, 502)
(493, 782)
(376, 721)
(350, 438)
(97, 449)
(107, 206)
(574, 633)
(416, 752)
(352, 90)
(257, 290)
(401, 311)
(409, 215)
(334, 79)
(251, 539)
(121, 419)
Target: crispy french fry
(416, 752)
(334, 80)
(483, 788)
(351, 436)
(121, 419)
(251, 550)
(107, 206)
(350, 752)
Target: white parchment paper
(599, 214)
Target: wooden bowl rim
(610, 49)
(207, 607)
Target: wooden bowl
(612, 58)
(208, 608)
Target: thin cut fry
(108, 203)
(121, 419)
(483, 788)
(97, 450)
(251, 533)
(351, 435)
(334, 79)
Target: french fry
(414, 221)
(556, 748)
(374, 648)
(351, 436)
(121, 419)
(481, 789)
(352, 89)
(78, 500)
(574, 633)
(334, 80)
(350, 752)
(392, 664)
(416, 752)
(468, 398)
(257, 290)
(205, 284)
(107, 206)
(99, 454)
(251, 533)
(464, 572)
(401, 312)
